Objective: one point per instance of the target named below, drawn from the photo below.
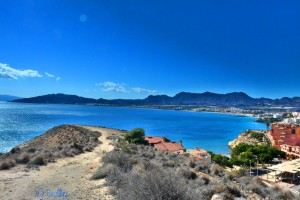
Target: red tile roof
(197, 151)
(169, 146)
(153, 140)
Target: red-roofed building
(286, 137)
(153, 140)
(160, 144)
(170, 146)
(200, 154)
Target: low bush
(39, 160)
(188, 174)
(25, 158)
(15, 150)
(217, 170)
(102, 172)
(119, 159)
(169, 163)
(4, 166)
(7, 164)
(31, 150)
(155, 184)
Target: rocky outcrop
(253, 137)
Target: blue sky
(130, 49)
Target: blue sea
(211, 131)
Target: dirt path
(69, 174)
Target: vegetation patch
(243, 154)
(39, 160)
(256, 135)
(138, 171)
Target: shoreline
(139, 107)
(228, 113)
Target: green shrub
(136, 136)
(39, 160)
(166, 139)
(257, 135)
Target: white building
(277, 116)
(292, 120)
(289, 121)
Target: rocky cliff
(253, 137)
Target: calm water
(212, 131)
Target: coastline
(140, 107)
(229, 113)
(143, 117)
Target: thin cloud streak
(49, 75)
(52, 76)
(110, 86)
(143, 90)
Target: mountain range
(237, 99)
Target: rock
(249, 138)
(216, 197)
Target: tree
(221, 160)
(238, 149)
(136, 136)
(268, 125)
(165, 139)
(245, 153)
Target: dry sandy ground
(69, 174)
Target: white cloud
(49, 75)
(109, 86)
(113, 87)
(142, 90)
(7, 72)
(58, 78)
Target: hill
(71, 174)
(237, 99)
(58, 142)
(8, 98)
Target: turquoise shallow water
(212, 131)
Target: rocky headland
(253, 137)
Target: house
(154, 140)
(200, 154)
(173, 147)
(161, 144)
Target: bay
(211, 131)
